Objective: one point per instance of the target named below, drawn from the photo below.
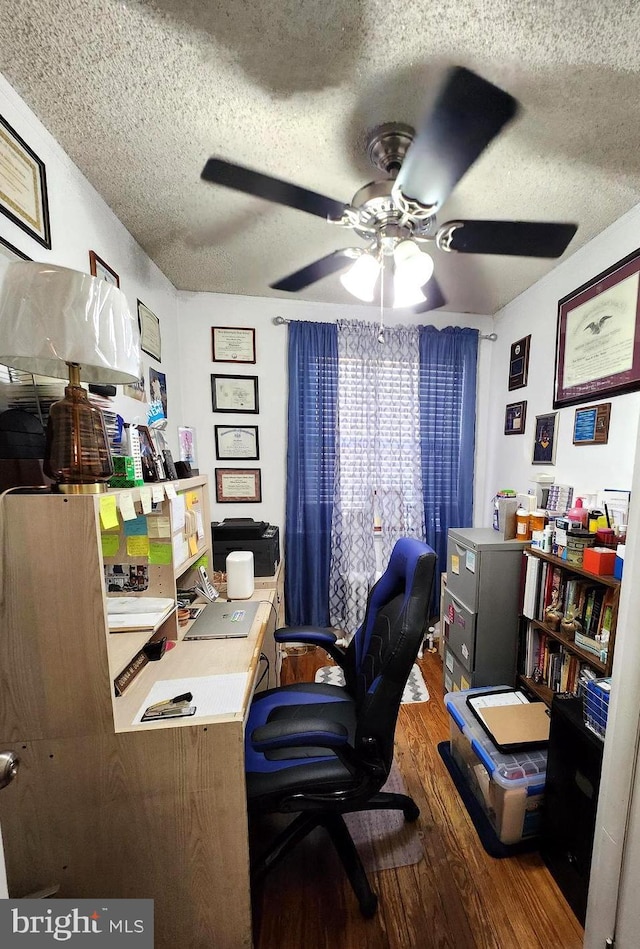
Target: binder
(510, 720)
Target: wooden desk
(102, 807)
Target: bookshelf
(556, 654)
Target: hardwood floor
(457, 897)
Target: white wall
(81, 221)
(198, 312)
(587, 468)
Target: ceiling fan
(397, 214)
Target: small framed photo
(519, 363)
(238, 485)
(515, 418)
(103, 271)
(187, 442)
(233, 344)
(150, 340)
(591, 425)
(544, 442)
(23, 185)
(234, 443)
(234, 393)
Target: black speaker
(574, 763)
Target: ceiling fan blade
(220, 172)
(514, 238)
(338, 260)
(468, 113)
(434, 295)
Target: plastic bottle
(523, 528)
(578, 513)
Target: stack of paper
(129, 613)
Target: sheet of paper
(146, 500)
(171, 491)
(126, 505)
(137, 604)
(177, 513)
(200, 523)
(212, 695)
(157, 493)
(159, 526)
(108, 511)
(180, 549)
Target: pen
(183, 699)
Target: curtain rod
(281, 321)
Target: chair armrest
(314, 732)
(312, 636)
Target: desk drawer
(460, 631)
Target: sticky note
(127, 508)
(136, 527)
(157, 493)
(191, 499)
(110, 544)
(138, 546)
(146, 500)
(159, 553)
(455, 564)
(171, 491)
(108, 511)
(193, 545)
(202, 562)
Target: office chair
(321, 751)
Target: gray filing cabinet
(481, 608)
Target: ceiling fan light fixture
(360, 280)
(406, 295)
(412, 265)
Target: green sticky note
(159, 553)
(138, 546)
(110, 544)
(202, 562)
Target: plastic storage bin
(596, 705)
(509, 787)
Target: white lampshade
(51, 316)
(406, 295)
(360, 280)
(411, 264)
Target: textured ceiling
(140, 94)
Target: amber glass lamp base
(77, 456)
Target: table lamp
(60, 322)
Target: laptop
(224, 619)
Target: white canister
(240, 583)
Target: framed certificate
(99, 269)
(238, 485)
(234, 393)
(235, 443)
(23, 185)
(597, 348)
(233, 344)
(150, 340)
(519, 363)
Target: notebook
(224, 619)
(510, 720)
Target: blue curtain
(448, 367)
(311, 452)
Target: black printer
(243, 533)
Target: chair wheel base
(368, 906)
(411, 813)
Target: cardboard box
(600, 560)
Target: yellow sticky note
(193, 545)
(191, 499)
(110, 544)
(455, 564)
(159, 553)
(108, 511)
(138, 545)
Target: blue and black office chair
(321, 751)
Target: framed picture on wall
(233, 344)
(234, 393)
(514, 418)
(234, 443)
(596, 336)
(238, 485)
(150, 339)
(23, 185)
(544, 440)
(519, 363)
(99, 269)
(591, 425)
